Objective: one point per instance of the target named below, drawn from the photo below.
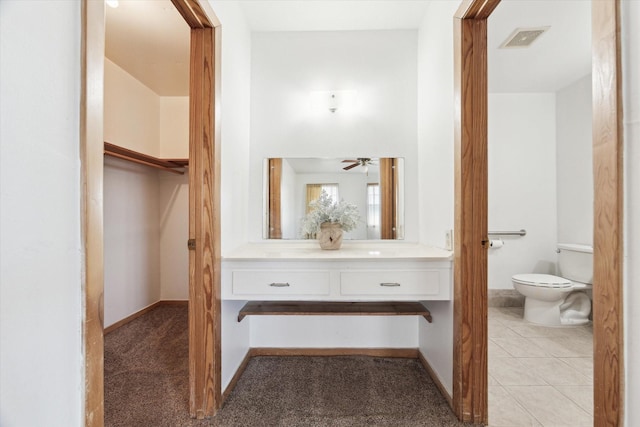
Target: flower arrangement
(324, 209)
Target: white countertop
(301, 250)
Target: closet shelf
(169, 165)
(297, 308)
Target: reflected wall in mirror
(374, 185)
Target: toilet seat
(542, 280)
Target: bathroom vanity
(357, 272)
(376, 298)
(367, 278)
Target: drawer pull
(279, 285)
(390, 284)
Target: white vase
(330, 235)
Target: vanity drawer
(273, 282)
(420, 283)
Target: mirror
(374, 185)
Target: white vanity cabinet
(357, 272)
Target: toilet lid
(544, 280)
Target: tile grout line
(579, 337)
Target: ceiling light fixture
(333, 100)
(333, 103)
(112, 3)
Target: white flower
(326, 210)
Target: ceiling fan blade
(350, 166)
(349, 161)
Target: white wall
(174, 232)
(235, 340)
(174, 127)
(131, 239)
(334, 331)
(131, 112)
(381, 66)
(574, 163)
(235, 91)
(436, 341)
(146, 212)
(174, 200)
(522, 184)
(234, 116)
(631, 293)
(435, 160)
(435, 122)
(41, 366)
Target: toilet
(559, 301)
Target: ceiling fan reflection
(360, 161)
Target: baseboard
(436, 379)
(179, 302)
(145, 310)
(407, 353)
(236, 376)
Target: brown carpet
(147, 384)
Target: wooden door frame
(608, 230)
(470, 223)
(205, 324)
(91, 215)
(204, 206)
(470, 257)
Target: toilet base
(540, 312)
(553, 313)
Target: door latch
(191, 244)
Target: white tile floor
(538, 376)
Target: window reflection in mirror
(374, 185)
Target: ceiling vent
(523, 37)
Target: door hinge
(191, 244)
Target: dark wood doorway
(470, 262)
(204, 206)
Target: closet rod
(171, 165)
(142, 162)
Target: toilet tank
(575, 262)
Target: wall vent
(523, 37)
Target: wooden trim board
(608, 230)
(406, 353)
(91, 215)
(275, 195)
(388, 206)
(471, 194)
(204, 226)
(145, 310)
